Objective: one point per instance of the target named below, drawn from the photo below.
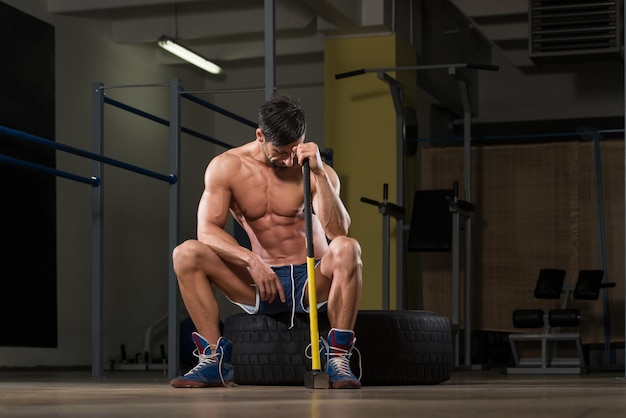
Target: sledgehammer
(316, 378)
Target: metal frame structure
(397, 94)
(175, 130)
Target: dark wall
(28, 302)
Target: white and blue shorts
(294, 279)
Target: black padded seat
(550, 286)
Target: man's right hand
(267, 282)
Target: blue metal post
(174, 199)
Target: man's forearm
(330, 210)
(225, 246)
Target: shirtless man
(260, 184)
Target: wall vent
(564, 30)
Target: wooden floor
(467, 394)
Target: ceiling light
(188, 55)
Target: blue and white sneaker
(335, 354)
(213, 369)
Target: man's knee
(346, 247)
(186, 255)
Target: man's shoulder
(229, 157)
(231, 162)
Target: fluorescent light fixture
(188, 55)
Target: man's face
(281, 156)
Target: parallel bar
(94, 181)
(188, 131)
(92, 156)
(205, 137)
(135, 111)
(173, 330)
(97, 237)
(220, 110)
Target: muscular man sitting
(260, 183)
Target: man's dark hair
(282, 120)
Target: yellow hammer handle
(315, 353)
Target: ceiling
(232, 32)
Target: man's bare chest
(267, 193)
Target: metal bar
(220, 110)
(522, 136)
(397, 95)
(97, 243)
(270, 48)
(135, 111)
(467, 194)
(456, 285)
(400, 230)
(91, 155)
(191, 132)
(602, 238)
(205, 137)
(93, 181)
(174, 203)
(125, 86)
(386, 250)
(418, 68)
(624, 58)
(246, 90)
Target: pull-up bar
(171, 178)
(165, 122)
(417, 68)
(93, 181)
(218, 109)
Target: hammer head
(316, 379)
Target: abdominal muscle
(281, 241)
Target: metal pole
(174, 200)
(270, 49)
(386, 251)
(400, 232)
(97, 243)
(455, 284)
(467, 189)
(624, 57)
(397, 95)
(602, 238)
(467, 297)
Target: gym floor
(469, 394)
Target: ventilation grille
(574, 28)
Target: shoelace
(210, 359)
(340, 358)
